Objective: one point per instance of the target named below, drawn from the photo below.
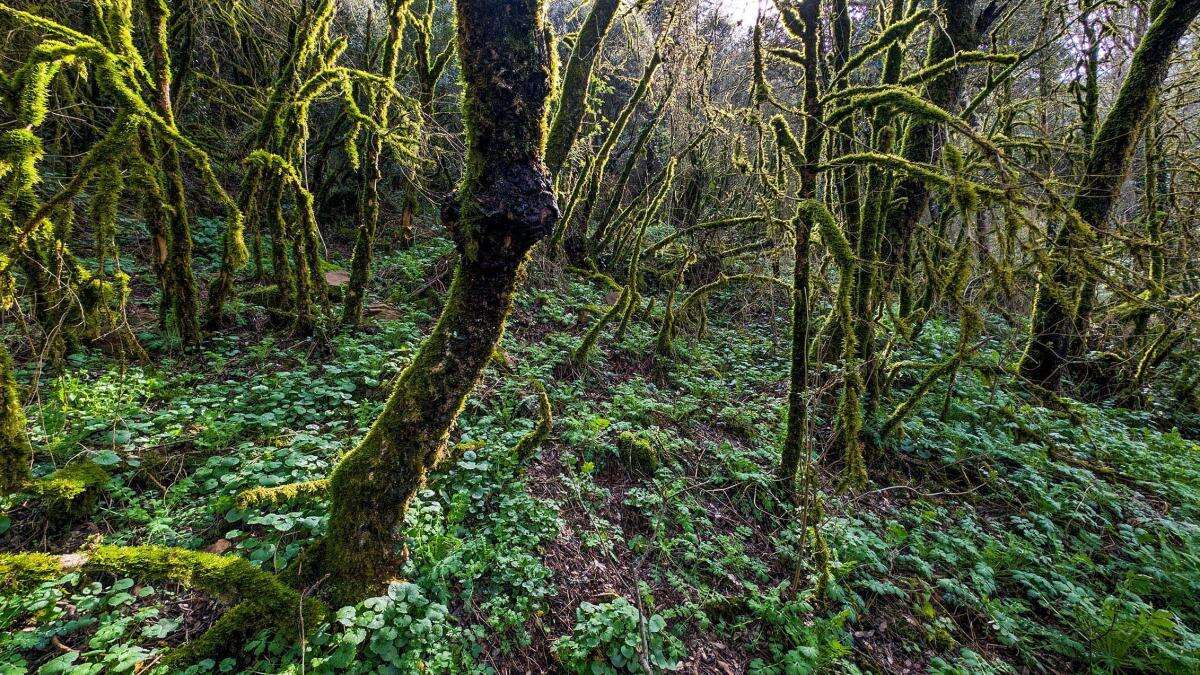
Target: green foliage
(797, 643)
(116, 625)
(400, 632)
(615, 637)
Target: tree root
(280, 494)
(260, 600)
(69, 493)
(527, 447)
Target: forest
(600, 336)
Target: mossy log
(260, 599)
(281, 494)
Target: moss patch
(71, 492)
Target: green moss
(280, 494)
(71, 492)
(23, 570)
(638, 452)
(260, 599)
(529, 443)
(16, 453)
(814, 214)
(786, 140)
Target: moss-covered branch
(261, 599)
(572, 99)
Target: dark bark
(505, 206)
(795, 444)
(922, 139)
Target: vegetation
(599, 336)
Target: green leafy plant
(615, 637)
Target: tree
(368, 197)
(572, 101)
(505, 205)
(1053, 328)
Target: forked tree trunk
(179, 287)
(368, 197)
(505, 206)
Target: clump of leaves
(615, 637)
(401, 632)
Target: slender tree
(795, 443)
(368, 198)
(572, 101)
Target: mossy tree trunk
(572, 102)
(868, 239)
(1087, 97)
(179, 281)
(922, 139)
(16, 453)
(575, 239)
(368, 198)
(505, 205)
(796, 441)
(1053, 328)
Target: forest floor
(1002, 533)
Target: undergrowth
(1015, 534)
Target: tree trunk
(1053, 329)
(179, 287)
(573, 100)
(16, 453)
(923, 139)
(368, 198)
(505, 206)
(796, 441)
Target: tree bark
(796, 442)
(573, 100)
(505, 205)
(922, 139)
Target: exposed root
(280, 494)
(260, 599)
(527, 447)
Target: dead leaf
(220, 546)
